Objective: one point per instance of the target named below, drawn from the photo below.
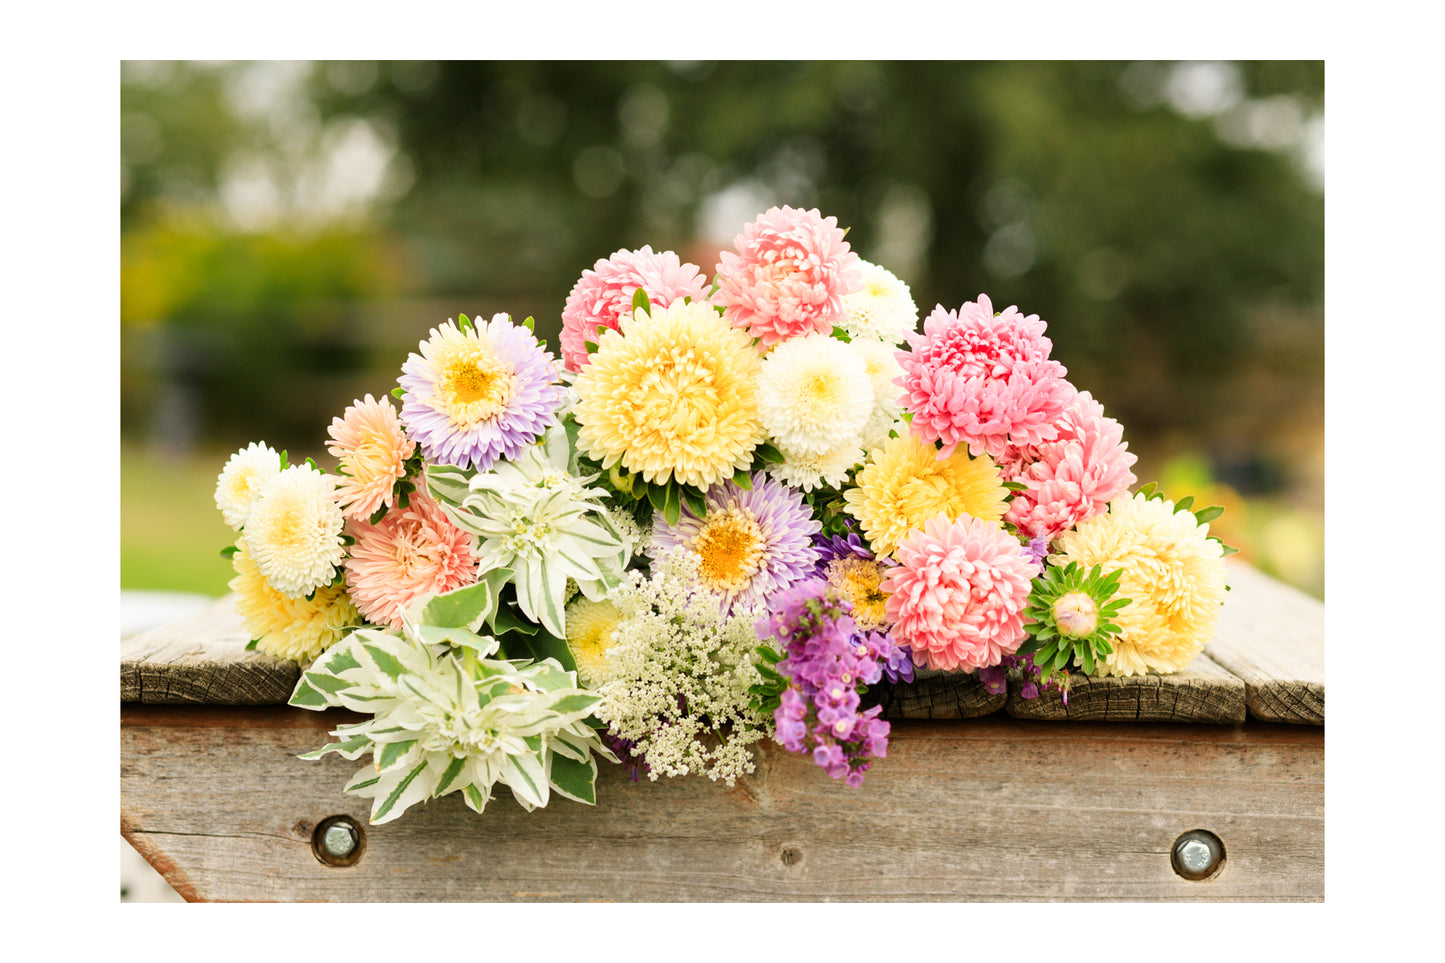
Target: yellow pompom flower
(1173, 575)
(299, 629)
(589, 635)
(673, 396)
(906, 484)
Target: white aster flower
(882, 309)
(294, 531)
(814, 394)
(809, 471)
(243, 479)
(882, 362)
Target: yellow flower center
(730, 545)
(857, 579)
(590, 626)
(473, 386)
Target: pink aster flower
(372, 447)
(602, 297)
(789, 275)
(984, 381)
(1071, 478)
(958, 593)
(411, 553)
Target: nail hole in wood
(792, 857)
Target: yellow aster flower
(589, 635)
(299, 629)
(1173, 575)
(672, 396)
(906, 484)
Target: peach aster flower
(372, 448)
(412, 553)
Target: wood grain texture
(202, 659)
(992, 809)
(1272, 636)
(936, 694)
(1200, 692)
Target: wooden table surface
(981, 797)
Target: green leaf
(339, 661)
(385, 661)
(306, 697)
(743, 479)
(461, 607)
(672, 503)
(463, 323)
(390, 802)
(575, 780)
(251, 646)
(398, 392)
(329, 683)
(769, 454)
(229, 551)
(393, 751)
(347, 748)
(590, 347)
(530, 324)
(451, 772)
(1209, 514)
(694, 501)
(640, 302)
(1184, 504)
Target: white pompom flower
(810, 471)
(882, 310)
(243, 479)
(294, 531)
(814, 394)
(881, 360)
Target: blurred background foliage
(291, 229)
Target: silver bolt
(1193, 856)
(338, 841)
(1197, 854)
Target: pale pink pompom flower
(789, 275)
(602, 297)
(371, 445)
(982, 380)
(1073, 477)
(958, 594)
(411, 553)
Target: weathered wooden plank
(1272, 636)
(202, 659)
(992, 809)
(1200, 692)
(936, 694)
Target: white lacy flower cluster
(677, 679)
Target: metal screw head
(337, 841)
(1198, 854)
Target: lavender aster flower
(751, 543)
(474, 397)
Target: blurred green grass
(171, 533)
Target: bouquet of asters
(727, 509)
